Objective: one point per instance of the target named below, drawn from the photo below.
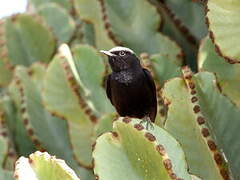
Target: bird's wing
(108, 87)
(153, 90)
(150, 81)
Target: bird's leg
(147, 120)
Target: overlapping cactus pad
(132, 152)
(40, 166)
(56, 121)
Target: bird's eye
(122, 53)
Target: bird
(130, 87)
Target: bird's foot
(148, 122)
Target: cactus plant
(143, 154)
(62, 24)
(43, 166)
(52, 95)
(28, 40)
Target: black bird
(130, 87)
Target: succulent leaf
(3, 148)
(224, 128)
(61, 23)
(165, 67)
(41, 166)
(5, 74)
(88, 33)
(28, 40)
(60, 99)
(142, 21)
(192, 125)
(10, 156)
(37, 72)
(191, 15)
(14, 121)
(228, 75)
(105, 124)
(223, 19)
(67, 4)
(35, 121)
(88, 69)
(139, 153)
(4, 174)
(174, 28)
(90, 11)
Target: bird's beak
(107, 53)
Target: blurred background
(12, 6)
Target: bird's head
(121, 58)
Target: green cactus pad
(190, 125)
(223, 117)
(67, 4)
(37, 72)
(11, 108)
(5, 74)
(191, 15)
(165, 67)
(60, 99)
(228, 75)
(3, 148)
(28, 40)
(223, 18)
(10, 157)
(4, 174)
(36, 119)
(131, 152)
(105, 123)
(90, 11)
(181, 26)
(142, 21)
(88, 69)
(42, 166)
(88, 33)
(60, 22)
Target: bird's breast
(125, 78)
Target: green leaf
(105, 124)
(228, 75)
(88, 33)
(224, 25)
(37, 119)
(223, 118)
(28, 40)
(60, 22)
(186, 121)
(14, 121)
(173, 27)
(3, 148)
(4, 174)
(135, 24)
(42, 166)
(37, 72)
(5, 74)
(60, 99)
(89, 70)
(139, 153)
(165, 67)
(191, 15)
(67, 4)
(10, 155)
(90, 11)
